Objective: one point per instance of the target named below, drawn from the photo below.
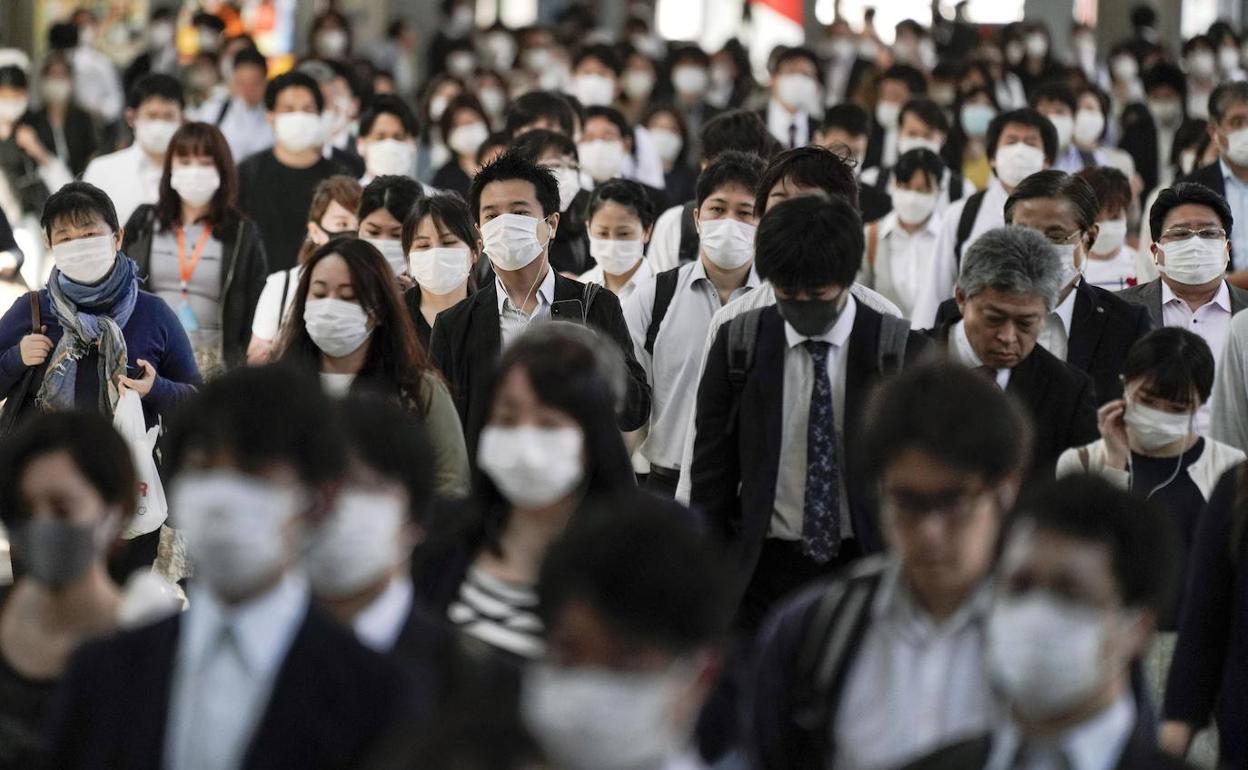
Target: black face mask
(810, 317)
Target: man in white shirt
(97, 84)
(131, 177)
(795, 86)
(898, 85)
(241, 115)
(922, 125)
(1057, 102)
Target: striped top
(500, 613)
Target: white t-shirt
(1115, 273)
(268, 319)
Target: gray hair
(1015, 260)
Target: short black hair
(730, 168)
(911, 76)
(1164, 74)
(928, 111)
(1143, 15)
(1184, 193)
(927, 407)
(1025, 116)
(916, 160)
(1194, 42)
(448, 210)
(463, 101)
(63, 35)
(1054, 91)
(809, 242)
(600, 51)
(536, 105)
(1051, 183)
(509, 166)
(850, 118)
(627, 193)
(809, 166)
(208, 20)
(740, 130)
(391, 441)
(389, 104)
(293, 79)
(1111, 186)
(155, 85)
(250, 57)
(79, 203)
(613, 115)
(1175, 362)
(790, 53)
(13, 76)
(396, 194)
(1138, 533)
(532, 145)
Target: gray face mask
(55, 552)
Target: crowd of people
(567, 399)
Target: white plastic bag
(152, 509)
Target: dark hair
(155, 85)
(682, 127)
(1052, 183)
(209, 21)
(13, 76)
(1023, 117)
(293, 79)
(391, 441)
(809, 242)
(1112, 190)
(644, 572)
(79, 203)
(1175, 362)
(927, 407)
(916, 160)
(1164, 74)
(1187, 193)
(532, 145)
(926, 110)
(388, 104)
(536, 105)
(789, 53)
(1227, 93)
(200, 139)
(1138, 533)
(915, 82)
(730, 168)
(260, 416)
(464, 101)
(600, 51)
(740, 130)
(626, 193)
(510, 166)
(616, 118)
(396, 194)
(689, 53)
(1054, 91)
(62, 36)
(448, 210)
(848, 117)
(1143, 15)
(496, 139)
(251, 57)
(97, 450)
(809, 166)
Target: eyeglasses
(1183, 233)
(910, 510)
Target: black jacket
(243, 271)
(1148, 297)
(1210, 176)
(1140, 753)
(80, 137)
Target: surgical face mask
(1197, 106)
(914, 207)
(1201, 64)
(797, 92)
(1065, 126)
(461, 64)
(843, 48)
(511, 241)
(440, 270)
(467, 139)
(493, 100)
(532, 467)
(1066, 253)
(1187, 161)
(208, 40)
(357, 544)
(195, 184)
(809, 317)
(637, 84)
(943, 95)
(1089, 125)
(907, 143)
(569, 180)
(1237, 146)
(297, 131)
(1016, 162)
(337, 327)
(615, 257)
(389, 157)
(12, 108)
(85, 260)
(537, 59)
(1045, 654)
(57, 90)
(887, 114)
(154, 135)
(437, 106)
(1125, 68)
(727, 243)
(666, 143)
(392, 250)
(56, 552)
(1037, 46)
(1228, 58)
(976, 117)
(161, 35)
(596, 719)
(1193, 261)
(1153, 429)
(1167, 112)
(1111, 236)
(601, 159)
(501, 49)
(690, 81)
(331, 43)
(593, 90)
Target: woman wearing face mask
(637, 83)
(1111, 262)
(384, 204)
(669, 133)
(354, 331)
(974, 110)
(434, 152)
(569, 252)
(29, 169)
(620, 222)
(899, 246)
(387, 138)
(62, 126)
(331, 215)
(550, 447)
(330, 37)
(465, 126)
(441, 246)
(199, 253)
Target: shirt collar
(995, 192)
(837, 336)
(379, 624)
(1228, 176)
(779, 119)
(895, 603)
(890, 224)
(598, 276)
(545, 290)
(263, 627)
(1095, 744)
(961, 345)
(698, 273)
(1066, 310)
(1222, 299)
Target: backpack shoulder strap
(742, 341)
(689, 241)
(36, 317)
(957, 186)
(225, 109)
(664, 290)
(873, 243)
(588, 295)
(966, 223)
(894, 334)
(881, 180)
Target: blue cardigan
(153, 334)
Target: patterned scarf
(91, 316)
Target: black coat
(1140, 753)
(80, 136)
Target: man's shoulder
(1140, 293)
(1114, 303)
(110, 162)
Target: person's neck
(1169, 450)
(1196, 297)
(939, 605)
(529, 533)
(1008, 189)
(1104, 257)
(57, 112)
(1088, 710)
(157, 159)
(192, 214)
(436, 303)
(726, 281)
(1238, 171)
(617, 282)
(668, 165)
(87, 603)
(911, 229)
(346, 609)
(351, 363)
(302, 159)
(522, 285)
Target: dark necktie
(793, 135)
(821, 520)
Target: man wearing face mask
(1228, 175)
(1148, 129)
(341, 89)
(922, 125)
(569, 252)
(795, 85)
(1057, 102)
(1086, 572)
(898, 85)
(131, 177)
(241, 114)
(251, 675)
(516, 205)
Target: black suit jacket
(1139, 754)
(1210, 176)
(1103, 327)
(466, 341)
(729, 442)
(80, 138)
(332, 699)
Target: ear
(959, 297)
(1158, 254)
(645, 237)
(360, 144)
(697, 219)
(1090, 238)
(119, 237)
(129, 115)
(1138, 633)
(1212, 129)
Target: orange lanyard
(187, 269)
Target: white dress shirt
(644, 273)
(1055, 331)
(901, 259)
(780, 121)
(97, 85)
(221, 687)
(129, 178)
(245, 128)
(960, 347)
(378, 625)
(1211, 322)
(916, 684)
(673, 369)
(511, 320)
(664, 251)
(799, 378)
(1096, 744)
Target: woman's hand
(1113, 428)
(142, 385)
(35, 348)
(28, 141)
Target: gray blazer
(1149, 295)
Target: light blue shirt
(1096, 744)
(1237, 199)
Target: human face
(894, 92)
(337, 219)
(580, 639)
(191, 161)
(728, 202)
(65, 230)
(1140, 391)
(516, 196)
(1017, 133)
(664, 120)
(912, 126)
(555, 161)
(797, 65)
(248, 84)
(431, 233)
(1190, 217)
(1055, 218)
(785, 189)
(381, 225)
(1234, 119)
(517, 405)
(294, 99)
(592, 66)
(1088, 101)
(157, 108)
(331, 278)
(1002, 327)
(386, 126)
(1052, 107)
(826, 293)
(53, 487)
(605, 130)
(616, 222)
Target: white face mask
(797, 92)
(500, 47)
(532, 467)
(601, 159)
(389, 157)
(467, 139)
(493, 100)
(637, 84)
(1066, 253)
(1065, 126)
(1016, 162)
(1111, 236)
(57, 90)
(595, 719)
(1237, 146)
(331, 43)
(907, 143)
(728, 243)
(356, 545)
(1201, 64)
(615, 257)
(536, 59)
(569, 180)
(666, 143)
(1167, 112)
(690, 81)
(85, 260)
(440, 270)
(12, 108)
(511, 241)
(914, 207)
(337, 327)
(392, 250)
(1125, 68)
(1228, 59)
(437, 106)
(1194, 261)
(887, 114)
(593, 90)
(195, 184)
(297, 131)
(154, 135)
(235, 527)
(1089, 124)
(1153, 429)
(461, 64)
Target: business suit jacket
(466, 342)
(1103, 327)
(80, 136)
(1148, 295)
(1210, 176)
(1140, 753)
(729, 440)
(331, 700)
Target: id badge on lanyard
(186, 269)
